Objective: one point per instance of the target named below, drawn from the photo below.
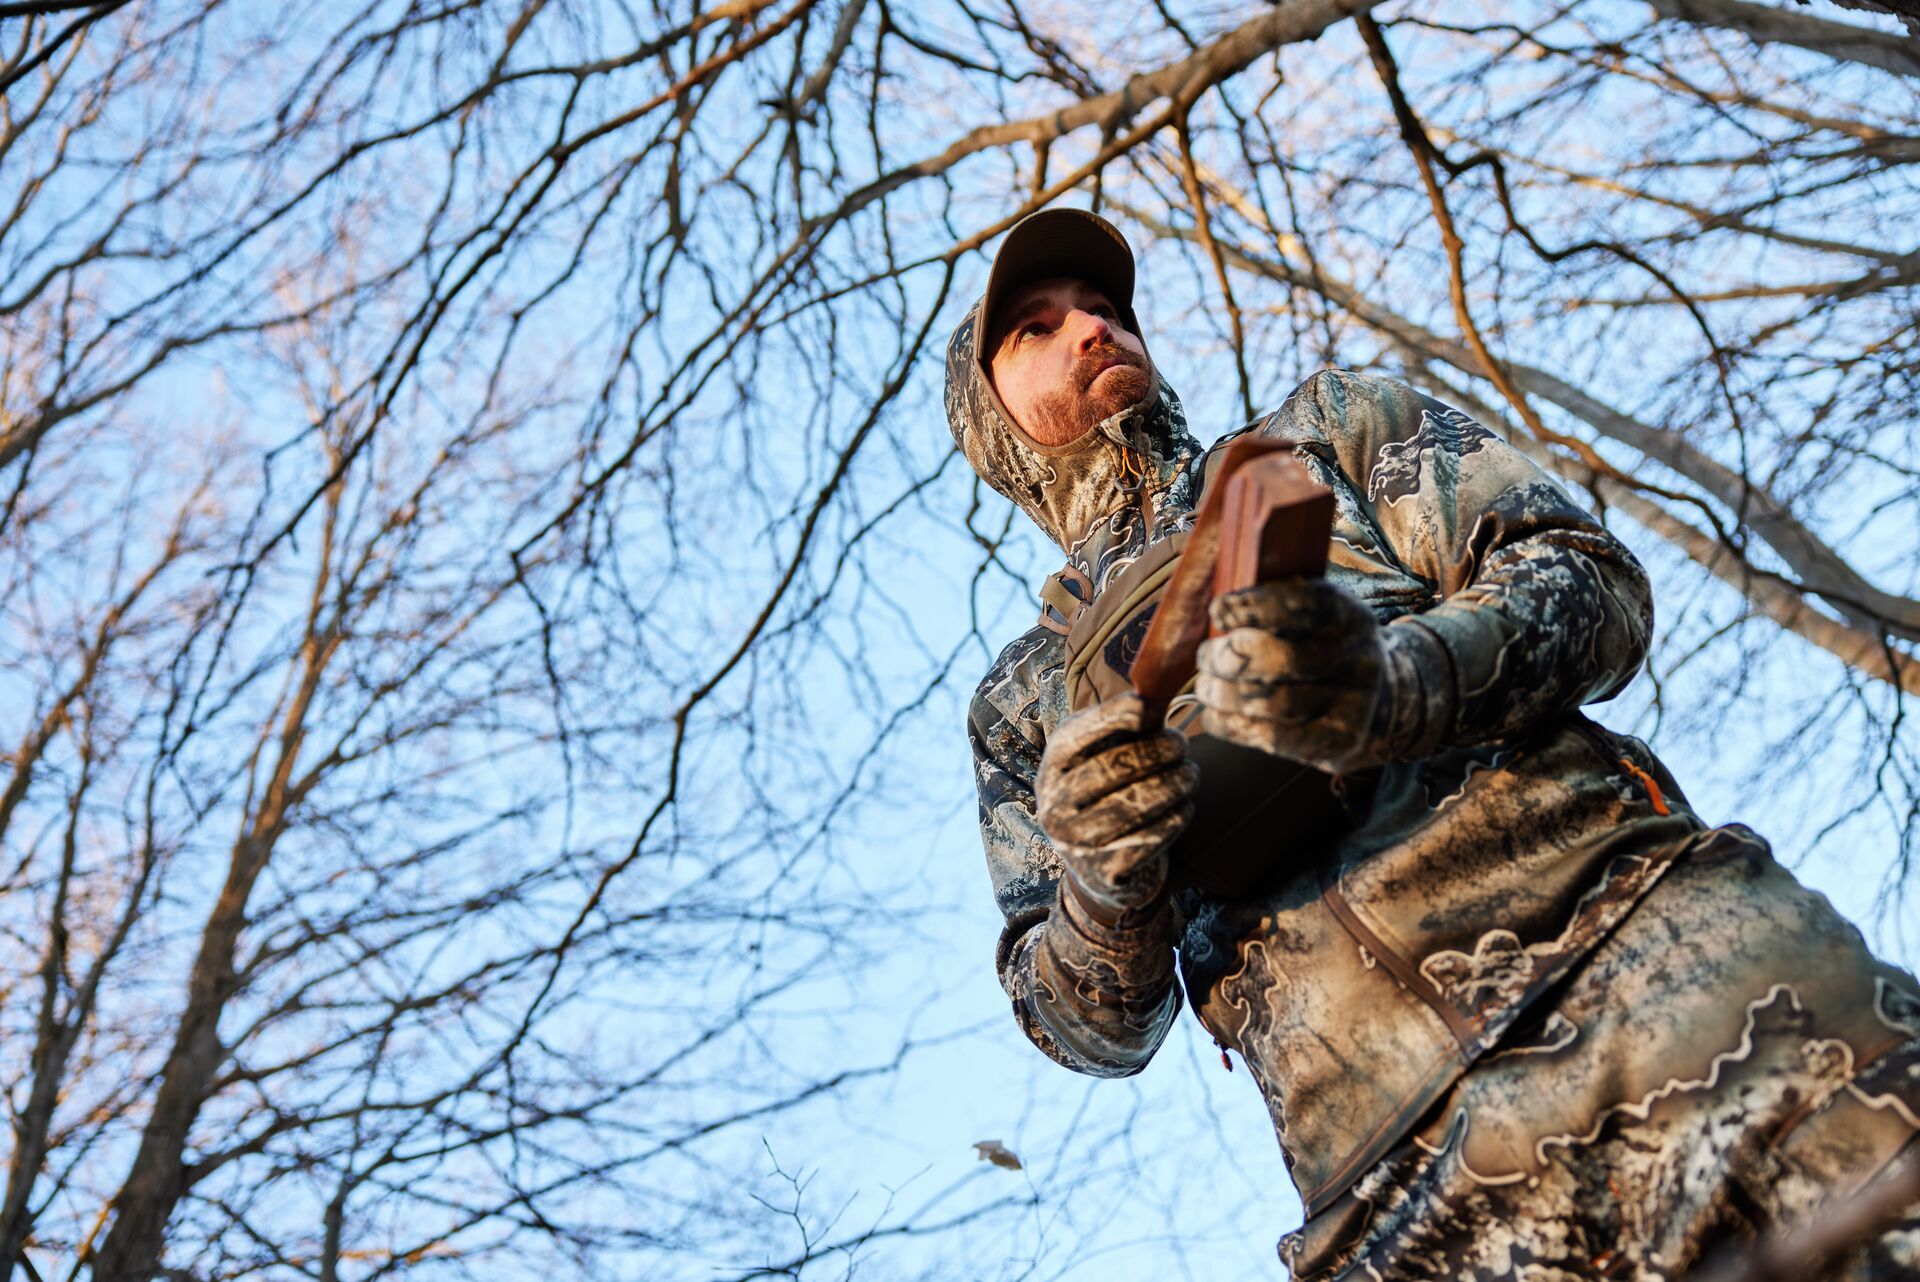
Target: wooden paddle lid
(1263, 518)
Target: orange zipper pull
(1651, 784)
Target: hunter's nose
(1089, 330)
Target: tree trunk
(158, 1179)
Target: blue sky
(823, 843)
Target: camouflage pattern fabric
(1729, 1061)
(1489, 947)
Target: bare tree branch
(1821, 571)
(1770, 25)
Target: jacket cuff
(1113, 912)
(1124, 904)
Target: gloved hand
(1303, 670)
(1112, 796)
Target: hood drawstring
(1134, 475)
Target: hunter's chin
(1116, 388)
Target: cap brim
(1060, 242)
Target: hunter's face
(1062, 361)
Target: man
(1522, 1013)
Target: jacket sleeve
(1537, 608)
(1096, 997)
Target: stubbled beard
(1067, 413)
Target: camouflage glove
(1303, 670)
(1112, 795)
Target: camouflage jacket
(1363, 983)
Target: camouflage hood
(1128, 472)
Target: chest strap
(1062, 597)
